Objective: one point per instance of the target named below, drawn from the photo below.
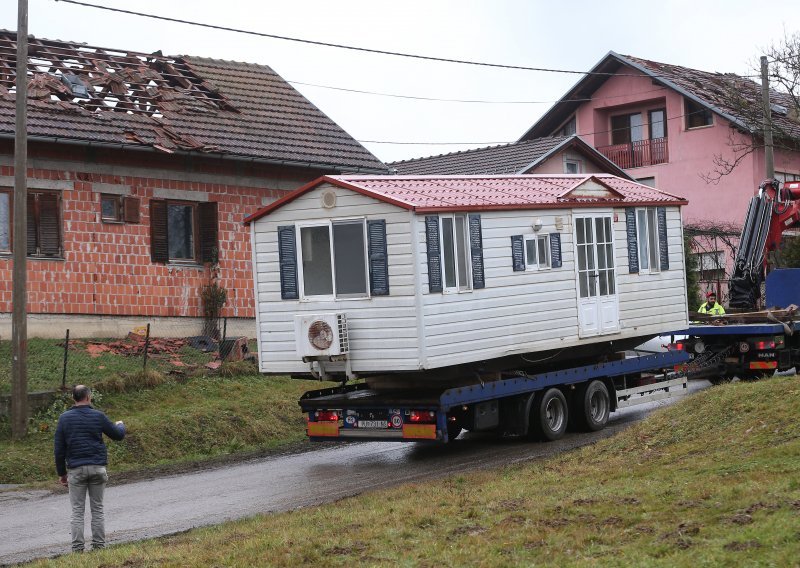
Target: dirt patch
(762, 507)
(510, 505)
(513, 521)
(741, 519)
(629, 501)
(355, 548)
(739, 546)
(613, 521)
(555, 523)
(468, 530)
(584, 502)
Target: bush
(139, 380)
(238, 369)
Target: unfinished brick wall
(106, 268)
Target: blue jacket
(79, 438)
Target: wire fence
(161, 348)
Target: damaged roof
(104, 96)
(424, 194)
(736, 98)
(516, 158)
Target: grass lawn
(713, 480)
(201, 418)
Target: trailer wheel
(592, 406)
(549, 415)
(453, 428)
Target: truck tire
(592, 406)
(453, 428)
(549, 415)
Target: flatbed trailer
(516, 405)
(744, 350)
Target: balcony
(637, 154)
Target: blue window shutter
(518, 252)
(287, 257)
(633, 245)
(662, 238)
(378, 258)
(434, 253)
(555, 250)
(476, 247)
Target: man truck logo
(320, 335)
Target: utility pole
(19, 296)
(769, 158)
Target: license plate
(373, 424)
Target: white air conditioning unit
(321, 335)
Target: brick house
(141, 169)
(668, 126)
(548, 155)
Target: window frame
(196, 256)
(202, 252)
(10, 194)
(572, 162)
(629, 128)
(120, 207)
(700, 110)
(458, 288)
(329, 224)
(650, 122)
(537, 239)
(652, 253)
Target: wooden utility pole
(769, 158)
(19, 297)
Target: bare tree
(740, 97)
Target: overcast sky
(726, 36)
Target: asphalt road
(35, 524)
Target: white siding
(383, 329)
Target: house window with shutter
(183, 231)
(5, 221)
(44, 224)
(333, 259)
(119, 208)
(456, 254)
(537, 252)
(647, 238)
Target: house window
(567, 129)
(784, 176)
(572, 167)
(334, 259)
(43, 224)
(111, 208)
(647, 237)
(711, 266)
(696, 114)
(5, 221)
(456, 254)
(183, 231)
(626, 128)
(537, 252)
(648, 181)
(658, 123)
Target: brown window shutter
(33, 241)
(209, 251)
(49, 224)
(131, 206)
(159, 244)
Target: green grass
(46, 362)
(711, 481)
(198, 419)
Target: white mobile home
(412, 274)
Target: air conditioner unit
(321, 335)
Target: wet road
(36, 523)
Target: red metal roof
(485, 193)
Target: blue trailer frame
(359, 396)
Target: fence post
(224, 336)
(146, 347)
(66, 352)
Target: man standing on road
(81, 460)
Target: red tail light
(326, 416)
(676, 347)
(764, 345)
(422, 417)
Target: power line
(353, 48)
(435, 99)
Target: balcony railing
(637, 154)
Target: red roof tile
(485, 193)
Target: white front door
(598, 306)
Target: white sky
(716, 35)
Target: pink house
(668, 126)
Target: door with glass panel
(598, 305)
